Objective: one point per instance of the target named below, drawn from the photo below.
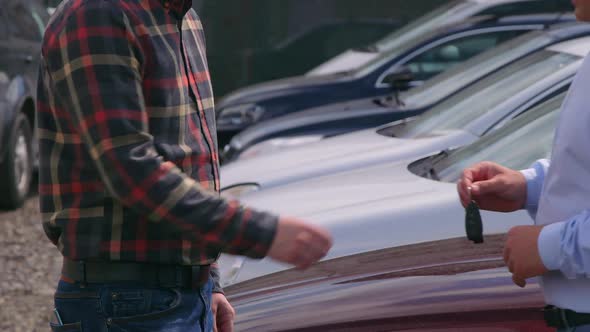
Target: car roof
(488, 21)
(578, 46)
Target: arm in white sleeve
(565, 246)
(535, 176)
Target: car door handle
(28, 59)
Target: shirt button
(115, 296)
(109, 321)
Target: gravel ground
(29, 270)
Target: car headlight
(278, 144)
(229, 268)
(235, 192)
(239, 116)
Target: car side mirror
(400, 79)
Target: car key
(473, 223)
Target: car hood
(371, 209)
(314, 116)
(347, 61)
(321, 195)
(350, 294)
(337, 154)
(279, 88)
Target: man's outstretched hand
(299, 243)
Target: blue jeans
(118, 307)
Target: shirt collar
(178, 7)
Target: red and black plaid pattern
(128, 153)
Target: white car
(401, 203)
(460, 120)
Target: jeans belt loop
(178, 276)
(158, 282)
(195, 276)
(82, 270)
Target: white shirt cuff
(549, 245)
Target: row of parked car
(374, 153)
(369, 145)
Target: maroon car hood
(449, 285)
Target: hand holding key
(497, 188)
(493, 187)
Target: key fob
(473, 223)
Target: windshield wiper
(432, 161)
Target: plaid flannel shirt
(129, 165)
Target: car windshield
(455, 78)
(459, 111)
(516, 145)
(444, 15)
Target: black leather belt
(564, 318)
(151, 275)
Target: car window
(332, 39)
(446, 14)
(450, 81)
(517, 145)
(451, 53)
(27, 21)
(541, 100)
(339, 39)
(457, 112)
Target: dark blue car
(424, 58)
(342, 117)
(22, 23)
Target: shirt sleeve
(95, 67)
(565, 246)
(535, 176)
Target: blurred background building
(252, 41)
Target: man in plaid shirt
(129, 174)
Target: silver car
(460, 120)
(402, 203)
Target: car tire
(16, 171)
